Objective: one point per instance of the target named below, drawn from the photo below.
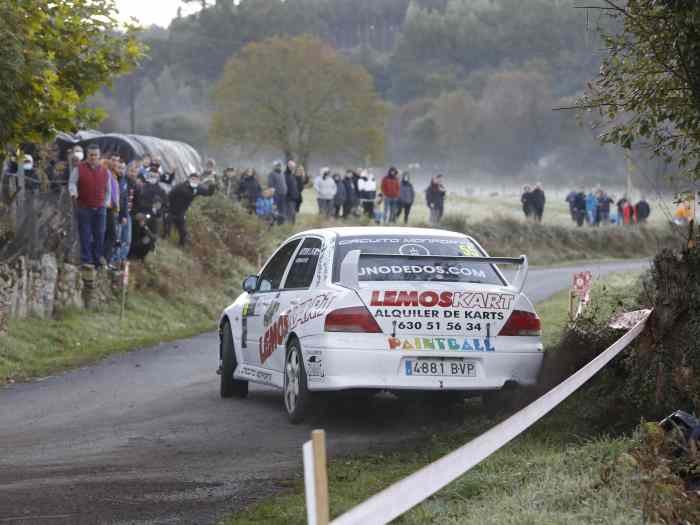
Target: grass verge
(556, 472)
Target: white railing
(403, 495)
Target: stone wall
(41, 287)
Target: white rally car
(377, 308)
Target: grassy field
(489, 206)
(556, 473)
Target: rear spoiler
(349, 266)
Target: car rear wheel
(297, 397)
(230, 387)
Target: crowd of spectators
(353, 194)
(596, 208)
(120, 210)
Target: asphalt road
(144, 437)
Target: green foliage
(54, 55)
(647, 93)
(300, 97)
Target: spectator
(181, 199)
(248, 190)
(276, 181)
(628, 213)
(406, 196)
(90, 189)
(350, 195)
(31, 177)
(591, 208)
(579, 203)
(355, 177)
(620, 209)
(368, 192)
(127, 188)
(265, 207)
(642, 210)
(604, 202)
(210, 175)
(111, 235)
(378, 207)
(293, 193)
(526, 201)
(538, 200)
(317, 188)
(435, 198)
(151, 202)
(570, 198)
(683, 214)
(391, 189)
(302, 182)
(229, 182)
(145, 166)
(340, 195)
(58, 176)
(143, 240)
(326, 193)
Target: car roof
(353, 231)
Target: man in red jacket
(90, 187)
(391, 189)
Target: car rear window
(389, 258)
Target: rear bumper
(362, 361)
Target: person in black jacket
(526, 201)
(579, 205)
(151, 201)
(180, 200)
(435, 199)
(643, 210)
(143, 240)
(538, 199)
(293, 194)
(248, 190)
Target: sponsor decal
(413, 249)
(469, 250)
(256, 375)
(271, 312)
(430, 314)
(313, 252)
(405, 240)
(301, 314)
(249, 307)
(453, 344)
(425, 269)
(314, 365)
(430, 299)
(244, 332)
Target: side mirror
(250, 283)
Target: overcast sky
(149, 12)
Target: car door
(265, 304)
(296, 292)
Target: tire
(297, 397)
(230, 387)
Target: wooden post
(572, 299)
(318, 440)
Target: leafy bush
(225, 238)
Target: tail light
(522, 323)
(353, 319)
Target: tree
(54, 55)
(647, 93)
(298, 96)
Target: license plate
(440, 367)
